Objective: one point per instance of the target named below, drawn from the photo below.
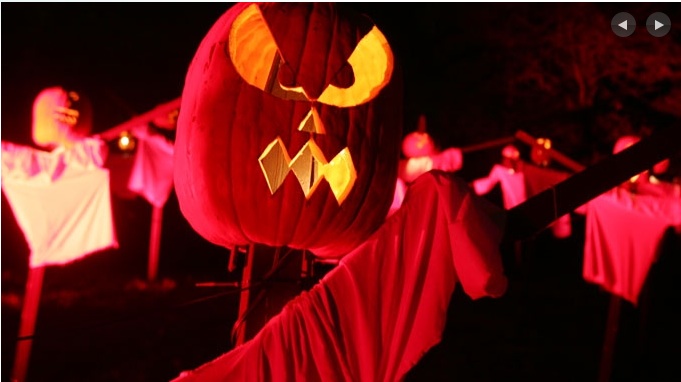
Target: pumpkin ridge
(287, 235)
(287, 59)
(228, 167)
(342, 227)
(328, 77)
(310, 49)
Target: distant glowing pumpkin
(541, 152)
(418, 143)
(61, 117)
(289, 129)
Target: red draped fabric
(379, 311)
(623, 232)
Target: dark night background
(478, 72)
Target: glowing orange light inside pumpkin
(126, 142)
(257, 59)
(540, 153)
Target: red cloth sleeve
(375, 315)
(623, 232)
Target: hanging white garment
(60, 199)
(152, 172)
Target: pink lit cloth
(517, 186)
(398, 196)
(152, 172)
(60, 199)
(512, 185)
(449, 160)
(379, 311)
(623, 232)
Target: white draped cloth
(60, 199)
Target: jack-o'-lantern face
(256, 57)
(60, 118)
(540, 153)
(289, 130)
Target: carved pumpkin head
(289, 130)
(60, 118)
(540, 153)
(419, 143)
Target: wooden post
(245, 296)
(611, 329)
(29, 314)
(270, 279)
(154, 243)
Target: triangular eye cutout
(372, 64)
(255, 55)
(251, 47)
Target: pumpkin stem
(422, 124)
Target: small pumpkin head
(60, 117)
(419, 143)
(540, 152)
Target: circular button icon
(623, 24)
(658, 24)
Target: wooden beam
(535, 214)
(552, 153)
(487, 145)
(140, 120)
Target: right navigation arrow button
(658, 24)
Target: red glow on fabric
(152, 171)
(519, 184)
(380, 310)
(623, 232)
(512, 185)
